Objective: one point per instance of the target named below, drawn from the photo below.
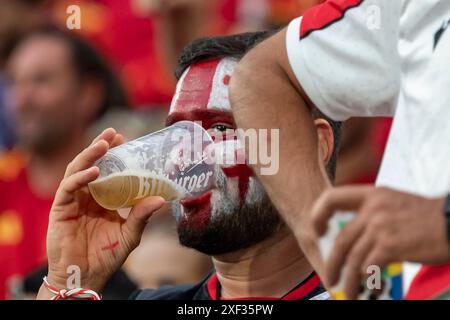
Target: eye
(219, 131)
(220, 127)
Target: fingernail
(99, 142)
(94, 169)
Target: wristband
(77, 293)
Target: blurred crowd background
(60, 87)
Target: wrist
(44, 294)
(63, 282)
(49, 292)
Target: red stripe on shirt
(325, 14)
(430, 282)
(303, 290)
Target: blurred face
(44, 91)
(238, 213)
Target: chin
(226, 224)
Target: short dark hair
(236, 46)
(89, 63)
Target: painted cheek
(243, 173)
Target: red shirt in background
(23, 224)
(283, 11)
(128, 41)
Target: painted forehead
(204, 86)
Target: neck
(46, 170)
(269, 269)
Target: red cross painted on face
(243, 173)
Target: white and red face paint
(203, 89)
(204, 86)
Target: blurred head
(238, 213)
(16, 18)
(59, 86)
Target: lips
(197, 210)
(190, 203)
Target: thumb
(139, 215)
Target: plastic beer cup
(172, 163)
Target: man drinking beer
(255, 255)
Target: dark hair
(236, 46)
(88, 63)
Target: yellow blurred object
(338, 295)
(395, 269)
(10, 164)
(11, 231)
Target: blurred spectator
(58, 87)
(142, 38)
(283, 11)
(125, 34)
(16, 18)
(6, 130)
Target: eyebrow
(226, 116)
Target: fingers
(343, 198)
(377, 257)
(343, 244)
(87, 157)
(107, 135)
(118, 140)
(139, 215)
(354, 273)
(73, 183)
(97, 149)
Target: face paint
(202, 95)
(243, 173)
(204, 86)
(232, 224)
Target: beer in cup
(173, 163)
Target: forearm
(263, 96)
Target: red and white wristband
(77, 293)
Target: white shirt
(384, 58)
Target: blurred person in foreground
(254, 254)
(332, 59)
(58, 87)
(17, 17)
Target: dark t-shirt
(209, 289)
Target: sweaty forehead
(204, 86)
